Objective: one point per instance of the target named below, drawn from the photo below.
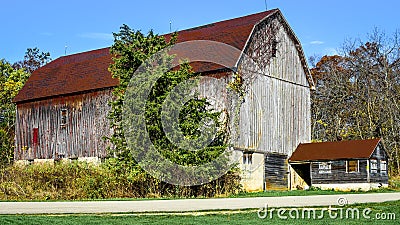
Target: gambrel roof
(354, 149)
(89, 70)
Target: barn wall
(40, 134)
(275, 115)
(252, 176)
(214, 88)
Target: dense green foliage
(12, 79)
(131, 49)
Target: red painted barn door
(35, 141)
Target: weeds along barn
(62, 109)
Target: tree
(356, 93)
(33, 60)
(131, 49)
(11, 81)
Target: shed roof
(354, 149)
(89, 70)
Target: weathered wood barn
(343, 165)
(61, 111)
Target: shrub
(81, 180)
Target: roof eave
(323, 160)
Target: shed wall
(379, 177)
(338, 173)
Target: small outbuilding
(342, 165)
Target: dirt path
(187, 205)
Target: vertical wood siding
(276, 176)
(82, 135)
(379, 177)
(338, 173)
(275, 115)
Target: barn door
(276, 172)
(35, 142)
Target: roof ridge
(343, 141)
(76, 70)
(224, 21)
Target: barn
(343, 165)
(62, 109)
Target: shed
(343, 165)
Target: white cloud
(317, 42)
(99, 36)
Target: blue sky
(322, 26)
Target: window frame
(247, 158)
(383, 169)
(324, 167)
(373, 169)
(357, 166)
(64, 116)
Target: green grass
(307, 192)
(227, 217)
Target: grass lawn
(227, 217)
(306, 193)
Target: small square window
(374, 165)
(325, 167)
(248, 158)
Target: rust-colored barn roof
(355, 149)
(89, 70)
(69, 74)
